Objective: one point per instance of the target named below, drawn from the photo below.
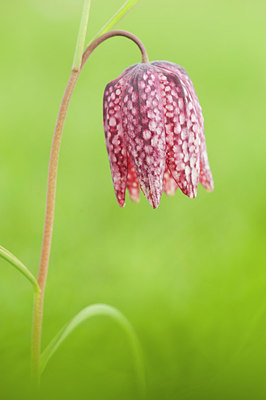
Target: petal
(205, 171)
(114, 137)
(132, 182)
(182, 132)
(169, 184)
(143, 124)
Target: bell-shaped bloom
(154, 133)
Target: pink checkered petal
(114, 137)
(132, 182)
(182, 132)
(205, 171)
(169, 184)
(143, 124)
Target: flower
(154, 133)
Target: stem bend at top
(100, 39)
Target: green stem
(81, 35)
(36, 340)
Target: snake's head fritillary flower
(154, 133)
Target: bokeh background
(189, 276)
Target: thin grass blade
(81, 35)
(126, 7)
(11, 259)
(93, 311)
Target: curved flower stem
(48, 228)
(102, 38)
(51, 193)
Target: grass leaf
(81, 35)
(11, 259)
(84, 315)
(126, 7)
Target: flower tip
(170, 192)
(121, 202)
(135, 199)
(154, 203)
(134, 195)
(207, 181)
(193, 194)
(209, 187)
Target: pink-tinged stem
(51, 193)
(99, 40)
(48, 226)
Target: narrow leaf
(11, 259)
(126, 7)
(81, 35)
(87, 313)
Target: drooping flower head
(154, 133)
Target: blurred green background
(189, 276)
